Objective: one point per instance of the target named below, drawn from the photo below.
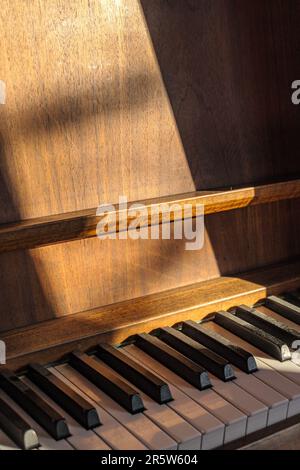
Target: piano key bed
(213, 384)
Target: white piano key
(116, 435)
(186, 436)
(6, 443)
(256, 411)
(235, 421)
(139, 425)
(275, 401)
(210, 427)
(267, 370)
(80, 439)
(47, 442)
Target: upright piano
(114, 341)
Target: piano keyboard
(193, 386)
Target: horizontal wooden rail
(81, 224)
(48, 341)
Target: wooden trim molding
(76, 225)
(50, 340)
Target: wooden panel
(66, 278)
(228, 66)
(87, 118)
(117, 322)
(86, 115)
(82, 224)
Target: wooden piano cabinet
(161, 102)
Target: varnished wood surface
(61, 279)
(227, 67)
(82, 224)
(47, 341)
(86, 116)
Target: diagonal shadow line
(65, 109)
(221, 71)
(227, 67)
(18, 271)
(21, 280)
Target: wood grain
(114, 323)
(229, 84)
(82, 224)
(66, 278)
(86, 116)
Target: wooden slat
(82, 224)
(116, 322)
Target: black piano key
(135, 373)
(34, 405)
(108, 381)
(270, 325)
(198, 353)
(292, 297)
(79, 408)
(220, 345)
(174, 360)
(284, 308)
(259, 338)
(16, 428)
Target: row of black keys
(190, 353)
